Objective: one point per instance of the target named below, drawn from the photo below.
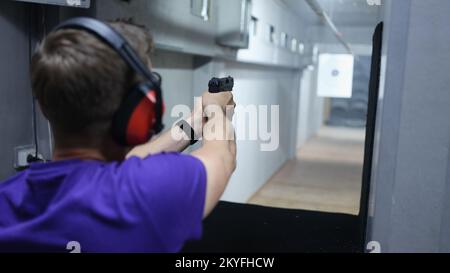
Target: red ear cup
(153, 97)
(137, 118)
(141, 121)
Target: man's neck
(101, 149)
(78, 153)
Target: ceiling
(342, 12)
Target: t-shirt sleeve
(170, 190)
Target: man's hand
(224, 100)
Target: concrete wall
(409, 207)
(15, 94)
(19, 30)
(177, 71)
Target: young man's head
(80, 83)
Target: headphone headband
(111, 37)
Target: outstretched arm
(166, 142)
(218, 153)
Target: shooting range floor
(325, 176)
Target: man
(97, 195)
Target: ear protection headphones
(140, 115)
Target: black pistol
(217, 85)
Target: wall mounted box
(68, 3)
(234, 24)
(176, 25)
(201, 8)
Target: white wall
(311, 108)
(258, 85)
(178, 79)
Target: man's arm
(166, 141)
(218, 153)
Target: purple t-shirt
(150, 205)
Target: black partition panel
(374, 87)
(241, 228)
